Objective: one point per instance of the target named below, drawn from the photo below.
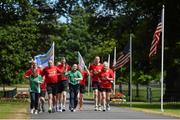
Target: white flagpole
(114, 83)
(162, 60)
(130, 82)
(109, 57)
(89, 81)
(53, 51)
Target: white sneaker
(96, 108)
(108, 107)
(36, 112)
(99, 108)
(104, 109)
(63, 108)
(32, 111)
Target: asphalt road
(89, 113)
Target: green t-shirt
(72, 75)
(35, 83)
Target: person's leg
(99, 97)
(82, 90)
(54, 92)
(99, 100)
(41, 104)
(71, 100)
(81, 101)
(50, 102)
(36, 102)
(63, 100)
(95, 91)
(104, 100)
(108, 94)
(64, 94)
(76, 91)
(32, 97)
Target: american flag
(123, 58)
(155, 41)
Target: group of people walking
(57, 80)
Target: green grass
(171, 109)
(13, 110)
(88, 96)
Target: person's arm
(111, 78)
(28, 74)
(79, 76)
(66, 73)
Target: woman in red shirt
(106, 79)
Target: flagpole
(109, 57)
(162, 60)
(53, 52)
(130, 82)
(114, 83)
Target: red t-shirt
(43, 86)
(51, 74)
(84, 74)
(95, 68)
(29, 72)
(104, 83)
(63, 68)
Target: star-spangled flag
(123, 58)
(156, 38)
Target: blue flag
(42, 60)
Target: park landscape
(93, 27)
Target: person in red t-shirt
(51, 79)
(95, 69)
(85, 74)
(29, 72)
(62, 84)
(106, 78)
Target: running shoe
(32, 111)
(50, 110)
(96, 108)
(99, 108)
(63, 109)
(36, 112)
(108, 107)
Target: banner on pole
(42, 60)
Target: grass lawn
(170, 109)
(15, 110)
(88, 96)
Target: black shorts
(62, 86)
(82, 89)
(106, 90)
(52, 88)
(43, 94)
(96, 85)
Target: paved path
(88, 113)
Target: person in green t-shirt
(34, 81)
(74, 77)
